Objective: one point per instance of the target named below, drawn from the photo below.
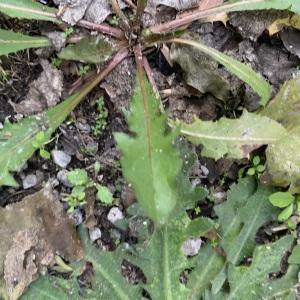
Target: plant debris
(33, 231)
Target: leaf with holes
(11, 42)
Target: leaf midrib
(224, 138)
(28, 10)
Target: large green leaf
(108, 281)
(91, 50)
(16, 140)
(150, 161)
(253, 282)
(242, 71)
(240, 218)
(11, 42)
(283, 160)
(235, 138)
(244, 212)
(28, 9)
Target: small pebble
(191, 247)
(204, 170)
(77, 217)
(115, 214)
(83, 127)
(62, 178)
(29, 181)
(61, 158)
(95, 234)
(196, 181)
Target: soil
(265, 54)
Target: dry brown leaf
(32, 232)
(43, 92)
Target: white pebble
(29, 181)
(191, 247)
(61, 158)
(115, 214)
(95, 234)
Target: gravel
(115, 214)
(61, 158)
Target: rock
(62, 178)
(77, 217)
(83, 126)
(191, 247)
(29, 181)
(115, 214)
(95, 234)
(61, 158)
(204, 170)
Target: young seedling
(256, 169)
(80, 181)
(289, 204)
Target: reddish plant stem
(141, 5)
(116, 60)
(117, 10)
(189, 18)
(149, 73)
(130, 3)
(103, 28)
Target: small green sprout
(83, 69)
(39, 142)
(104, 194)
(101, 118)
(68, 31)
(289, 203)
(114, 20)
(80, 180)
(56, 61)
(256, 168)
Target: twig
(103, 28)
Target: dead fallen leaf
(43, 92)
(71, 11)
(32, 232)
(99, 10)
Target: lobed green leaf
(150, 161)
(235, 138)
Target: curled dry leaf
(32, 232)
(43, 93)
